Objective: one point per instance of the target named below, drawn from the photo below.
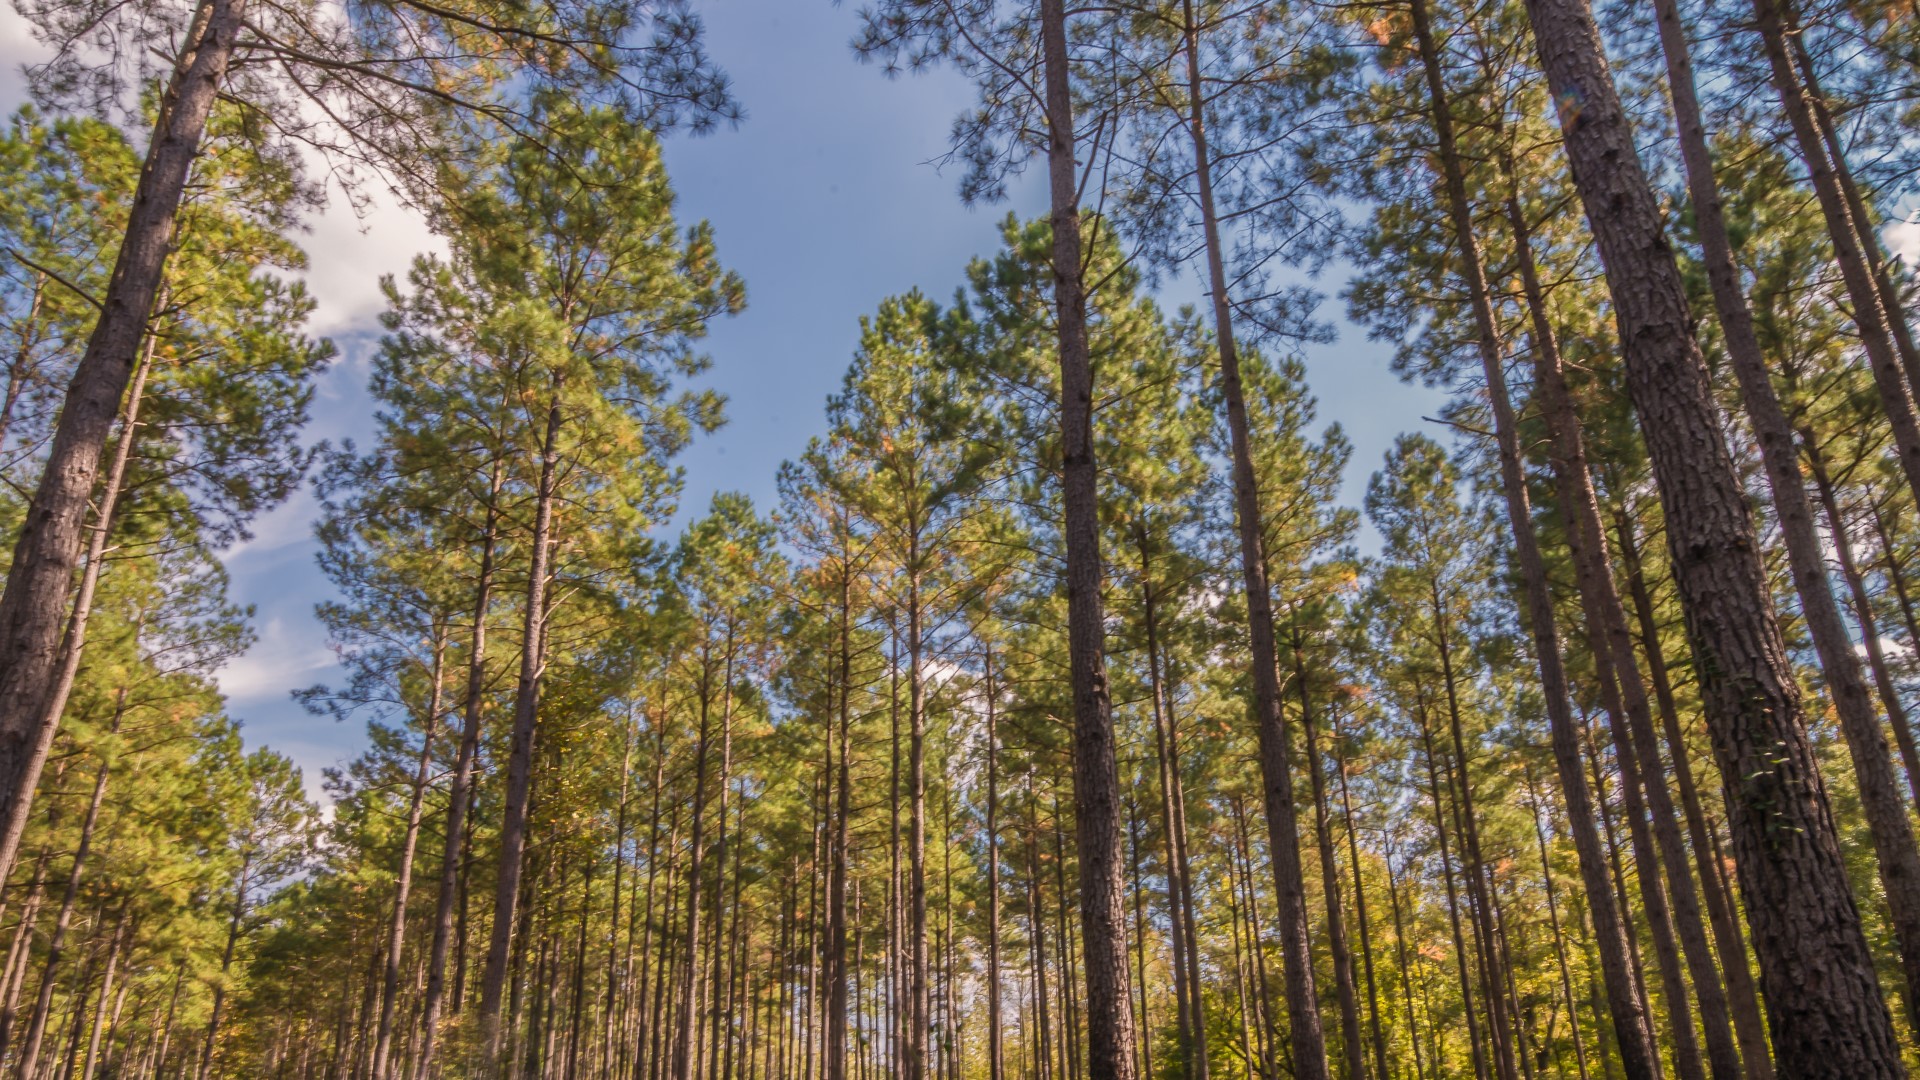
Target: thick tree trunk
(1897, 856)
(34, 605)
(1827, 1015)
(1096, 781)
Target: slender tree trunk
(1862, 611)
(1474, 869)
(115, 951)
(234, 922)
(526, 712)
(1463, 957)
(403, 887)
(1729, 941)
(1553, 916)
(919, 996)
(1276, 766)
(687, 1024)
(1639, 1058)
(34, 604)
(1407, 970)
(1189, 1031)
(1850, 239)
(1379, 1037)
(996, 1066)
(836, 929)
(56, 940)
(1624, 698)
(1095, 775)
(1352, 1046)
(1862, 214)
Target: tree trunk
(1553, 916)
(1360, 905)
(56, 940)
(1639, 1058)
(1347, 995)
(1863, 611)
(33, 607)
(1095, 774)
(1276, 766)
(996, 1066)
(1850, 238)
(919, 995)
(1463, 957)
(526, 712)
(1189, 1030)
(1827, 1015)
(397, 924)
(1898, 859)
(1624, 698)
(239, 913)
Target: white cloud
(348, 252)
(283, 659)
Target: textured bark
(1632, 1030)
(1894, 848)
(1624, 696)
(34, 605)
(1096, 783)
(1827, 1015)
(1729, 942)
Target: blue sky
(825, 199)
